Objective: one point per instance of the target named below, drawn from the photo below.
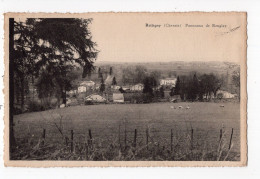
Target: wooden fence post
(119, 142)
(43, 136)
(220, 135)
(125, 137)
(66, 141)
(171, 140)
(71, 138)
(90, 137)
(191, 138)
(135, 136)
(230, 139)
(147, 138)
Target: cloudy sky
(150, 37)
(126, 37)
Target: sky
(126, 37)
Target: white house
(126, 88)
(82, 89)
(87, 83)
(115, 87)
(137, 87)
(168, 82)
(226, 95)
(118, 97)
(96, 98)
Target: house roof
(138, 84)
(95, 95)
(87, 83)
(169, 78)
(109, 80)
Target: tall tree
(99, 72)
(209, 85)
(11, 86)
(177, 86)
(102, 86)
(114, 81)
(161, 92)
(56, 44)
(194, 88)
(149, 82)
(236, 80)
(110, 71)
(140, 74)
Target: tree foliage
(56, 45)
(102, 85)
(149, 82)
(133, 75)
(114, 81)
(177, 86)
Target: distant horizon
(185, 61)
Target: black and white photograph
(152, 89)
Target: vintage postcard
(125, 89)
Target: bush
(35, 106)
(147, 98)
(17, 111)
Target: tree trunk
(22, 92)
(12, 142)
(64, 97)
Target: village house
(223, 94)
(168, 82)
(126, 88)
(115, 87)
(86, 85)
(72, 92)
(95, 98)
(137, 87)
(118, 98)
(226, 95)
(82, 89)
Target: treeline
(190, 88)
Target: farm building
(168, 82)
(137, 87)
(225, 94)
(95, 98)
(71, 92)
(118, 97)
(87, 83)
(82, 89)
(115, 87)
(126, 88)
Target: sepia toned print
(125, 89)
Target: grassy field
(154, 120)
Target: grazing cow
(180, 107)
(222, 106)
(188, 107)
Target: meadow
(155, 131)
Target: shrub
(34, 106)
